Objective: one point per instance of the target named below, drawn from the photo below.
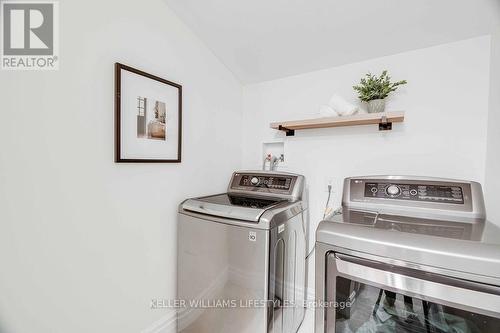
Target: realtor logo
(30, 35)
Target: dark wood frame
(118, 159)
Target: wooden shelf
(383, 119)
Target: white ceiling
(259, 40)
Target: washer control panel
(272, 182)
(415, 192)
(263, 183)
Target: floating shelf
(383, 119)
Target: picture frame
(148, 117)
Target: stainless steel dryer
(408, 254)
(241, 256)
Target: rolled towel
(341, 106)
(327, 111)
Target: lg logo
(29, 35)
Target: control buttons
(456, 193)
(254, 180)
(415, 192)
(393, 190)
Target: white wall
(85, 244)
(492, 182)
(444, 134)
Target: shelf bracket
(384, 125)
(288, 132)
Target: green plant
(376, 87)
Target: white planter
(376, 105)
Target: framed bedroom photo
(148, 117)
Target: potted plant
(374, 89)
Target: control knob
(393, 190)
(254, 180)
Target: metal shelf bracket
(384, 125)
(288, 132)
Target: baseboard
(166, 324)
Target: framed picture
(148, 117)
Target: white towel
(327, 111)
(341, 106)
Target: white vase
(376, 105)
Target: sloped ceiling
(260, 40)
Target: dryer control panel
(406, 194)
(416, 192)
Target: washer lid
(244, 208)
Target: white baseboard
(166, 324)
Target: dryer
(408, 254)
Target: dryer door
(373, 296)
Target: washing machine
(241, 256)
(408, 254)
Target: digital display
(280, 181)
